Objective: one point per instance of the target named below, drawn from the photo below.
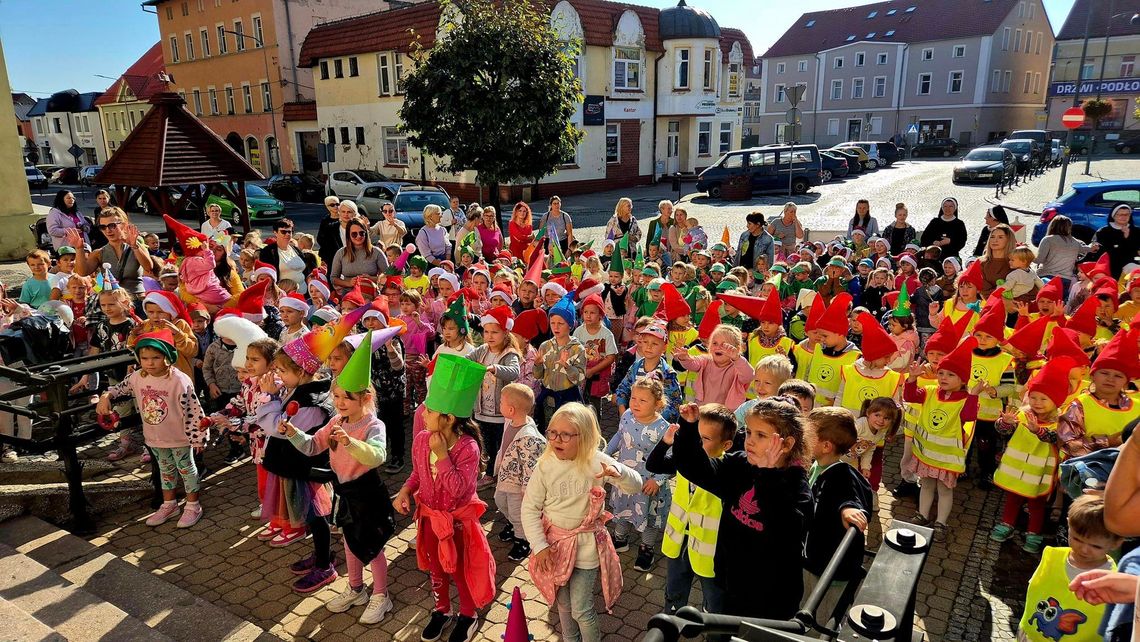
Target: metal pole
(1076, 102)
(1100, 81)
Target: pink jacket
(453, 484)
(564, 551)
(197, 276)
(714, 384)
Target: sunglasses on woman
(359, 235)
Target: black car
(66, 176)
(833, 166)
(888, 153)
(854, 163)
(298, 187)
(1025, 151)
(1128, 145)
(944, 147)
(985, 165)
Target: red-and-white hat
(294, 301)
(553, 286)
(251, 301)
(169, 303)
(500, 315)
(504, 291)
(587, 287)
(261, 267)
(321, 286)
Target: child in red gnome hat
(1095, 419)
(834, 351)
(993, 368)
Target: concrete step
(50, 500)
(64, 607)
(23, 627)
(38, 471)
(166, 608)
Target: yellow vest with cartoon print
(824, 373)
(693, 521)
(989, 370)
(858, 387)
(1028, 466)
(912, 411)
(803, 359)
(1052, 612)
(940, 438)
(756, 352)
(1100, 420)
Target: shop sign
(1091, 87)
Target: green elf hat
(418, 261)
(649, 270)
(357, 373)
(727, 285)
(717, 267)
(161, 340)
(455, 385)
(902, 305)
(457, 312)
(560, 268)
(618, 265)
(776, 280)
(638, 259)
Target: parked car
(944, 147)
(881, 154)
(985, 165)
(864, 157)
(1056, 150)
(49, 169)
(350, 183)
(834, 166)
(263, 207)
(1129, 145)
(854, 164)
(768, 169)
(372, 199)
(1038, 136)
(297, 186)
(1025, 151)
(410, 202)
(36, 178)
(1088, 205)
(87, 174)
(889, 152)
(66, 176)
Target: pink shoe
(268, 534)
(191, 513)
(122, 452)
(164, 512)
(285, 539)
(146, 457)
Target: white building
(66, 119)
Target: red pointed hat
(1107, 287)
(355, 296)
(1054, 290)
(960, 359)
(1122, 354)
(1064, 344)
(261, 267)
(1052, 380)
(673, 305)
(501, 315)
(834, 319)
(1100, 266)
(710, 321)
(815, 313)
(189, 240)
(973, 274)
(754, 306)
(251, 301)
(1084, 319)
(992, 321)
(1029, 337)
(946, 338)
(531, 323)
(876, 342)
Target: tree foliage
(495, 94)
(1096, 109)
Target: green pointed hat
(617, 264)
(357, 373)
(638, 259)
(455, 385)
(457, 312)
(902, 305)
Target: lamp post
(268, 79)
(1103, 60)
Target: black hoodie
(837, 487)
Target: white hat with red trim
(500, 315)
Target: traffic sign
(76, 151)
(792, 116)
(913, 129)
(795, 94)
(1073, 118)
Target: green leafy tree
(495, 94)
(1096, 109)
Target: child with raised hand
(354, 441)
(767, 504)
(723, 375)
(879, 419)
(771, 373)
(172, 422)
(522, 445)
(446, 458)
(563, 513)
(639, 430)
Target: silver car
(372, 199)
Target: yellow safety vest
(940, 438)
(912, 411)
(1028, 466)
(823, 373)
(858, 387)
(1052, 611)
(693, 520)
(952, 311)
(1102, 420)
(756, 352)
(688, 378)
(989, 370)
(803, 359)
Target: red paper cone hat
(1108, 288)
(973, 274)
(673, 305)
(1084, 319)
(516, 620)
(815, 313)
(876, 342)
(251, 301)
(190, 241)
(1053, 291)
(753, 306)
(992, 321)
(835, 317)
(960, 359)
(1121, 354)
(1100, 266)
(355, 296)
(1028, 339)
(1052, 380)
(710, 321)
(1065, 344)
(945, 339)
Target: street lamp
(268, 79)
(1103, 60)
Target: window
(1005, 39)
(959, 51)
(856, 87)
(872, 14)
(707, 70)
(681, 80)
(879, 88)
(1040, 37)
(910, 9)
(881, 59)
(860, 59)
(247, 98)
(359, 135)
(995, 82)
(780, 93)
(174, 49)
(1025, 84)
(344, 136)
(613, 143)
(39, 126)
(1021, 9)
(889, 33)
(924, 81)
(324, 70)
(86, 124)
(780, 68)
(832, 126)
(197, 102)
(1086, 71)
(223, 44)
(398, 74)
(353, 67)
(801, 65)
(258, 37)
(733, 80)
(1007, 78)
(170, 13)
(725, 141)
(213, 101)
(838, 63)
(230, 109)
(704, 138)
(395, 146)
(57, 125)
(810, 24)
(1037, 82)
(332, 135)
(1028, 41)
(205, 36)
(836, 89)
(876, 125)
(338, 68)
(1017, 40)
(955, 84)
(266, 97)
(627, 68)
(185, 9)
(189, 46)
(850, 38)
(383, 74)
(892, 12)
(870, 35)
(1127, 66)
(928, 54)
(1032, 8)
(239, 37)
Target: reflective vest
(952, 311)
(1052, 611)
(756, 352)
(685, 378)
(912, 411)
(989, 370)
(823, 373)
(693, 521)
(1102, 420)
(803, 359)
(940, 438)
(858, 387)
(1028, 466)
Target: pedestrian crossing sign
(913, 129)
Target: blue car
(1088, 205)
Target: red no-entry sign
(1073, 117)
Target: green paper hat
(638, 259)
(726, 285)
(556, 253)
(776, 280)
(623, 244)
(717, 267)
(902, 305)
(560, 269)
(357, 373)
(455, 385)
(617, 264)
(418, 261)
(457, 312)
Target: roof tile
(301, 110)
(141, 78)
(1074, 27)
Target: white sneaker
(378, 606)
(256, 513)
(347, 599)
(9, 455)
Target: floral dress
(630, 446)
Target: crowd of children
(754, 404)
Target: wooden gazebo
(173, 162)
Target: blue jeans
(576, 614)
(679, 582)
(560, 397)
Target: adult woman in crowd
(284, 255)
(754, 242)
(64, 215)
(995, 258)
(675, 234)
(558, 223)
(358, 258)
(214, 225)
(787, 228)
(656, 231)
(389, 230)
(125, 252)
(1120, 239)
(947, 231)
(224, 267)
(102, 199)
(900, 233)
(465, 229)
(432, 238)
(330, 234)
(490, 236)
(1059, 251)
(623, 222)
(994, 216)
(863, 220)
(521, 229)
